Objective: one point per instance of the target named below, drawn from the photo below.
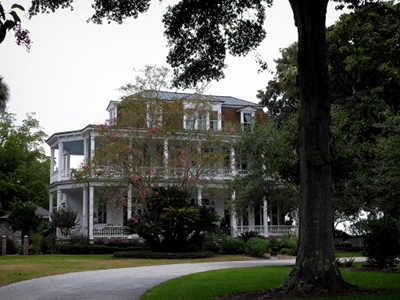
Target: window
(247, 123)
(202, 121)
(214, 120)
(190, 120)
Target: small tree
(381, 238)
(23, 217)
(64, 220)
(172, 221)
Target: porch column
(51, 161)
(59, 198)
(84, 210)
(219, 119)
(51, 198)
(129, 203)
(233, 162)
(265, 216)
(60, 160)
(165, 154)
(86, 151)
(199, 195)
(91, 196)
(233, 217)
(92, 147)
(250, 216)
(67, 161)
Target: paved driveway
(125, 283)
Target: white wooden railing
(108, 230)
(272, 229)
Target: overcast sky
(75, 68)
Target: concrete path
(115, 284)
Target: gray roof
(226, 100)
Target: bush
(210, 244)
(287, 251)
(91, 249)
(163, 255)
(171, 222)
(120, 242)
(11, 247)
(256, 247)
(289, 242)
(381, 241)
(245, 236)
(230, 245)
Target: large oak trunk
(315, 263)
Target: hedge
(164, 255)
(92, 249)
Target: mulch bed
(282, 294)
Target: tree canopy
(24, 168)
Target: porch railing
(108, 230)
(272, 229)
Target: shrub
(171, 222)
(210, 244)
(289, 242)
(64, 220)
(256, 247)
(245, 236)
(288, 251)
(163, 255)
(91, 249)
(230, 245)
(11, 247)
(23, 217)
(381, 241)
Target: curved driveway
(115, 284)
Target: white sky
(75, 68)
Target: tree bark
(315, 264)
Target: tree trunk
(315, 264)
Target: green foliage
(272, 167)
(231, 245)
(92, 249)
(64, 220)
(23, 217)
(160, 255)
(172, 222)
(11, 247)
(381, 241)
(245, 236)
(289, 242)
(288, 251)
(41, 244)
(256, 247)
(24, 168)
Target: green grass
(17, 268)
(208, 285)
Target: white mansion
(100, 221)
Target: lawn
(16, 268)
(208, 285)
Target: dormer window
(247, 118)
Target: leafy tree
(4, 95)
(272, 167)
(23, 217)
(173, 221)
(24, 168)
(200, 34)
(363, 83)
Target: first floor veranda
(100, 219)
